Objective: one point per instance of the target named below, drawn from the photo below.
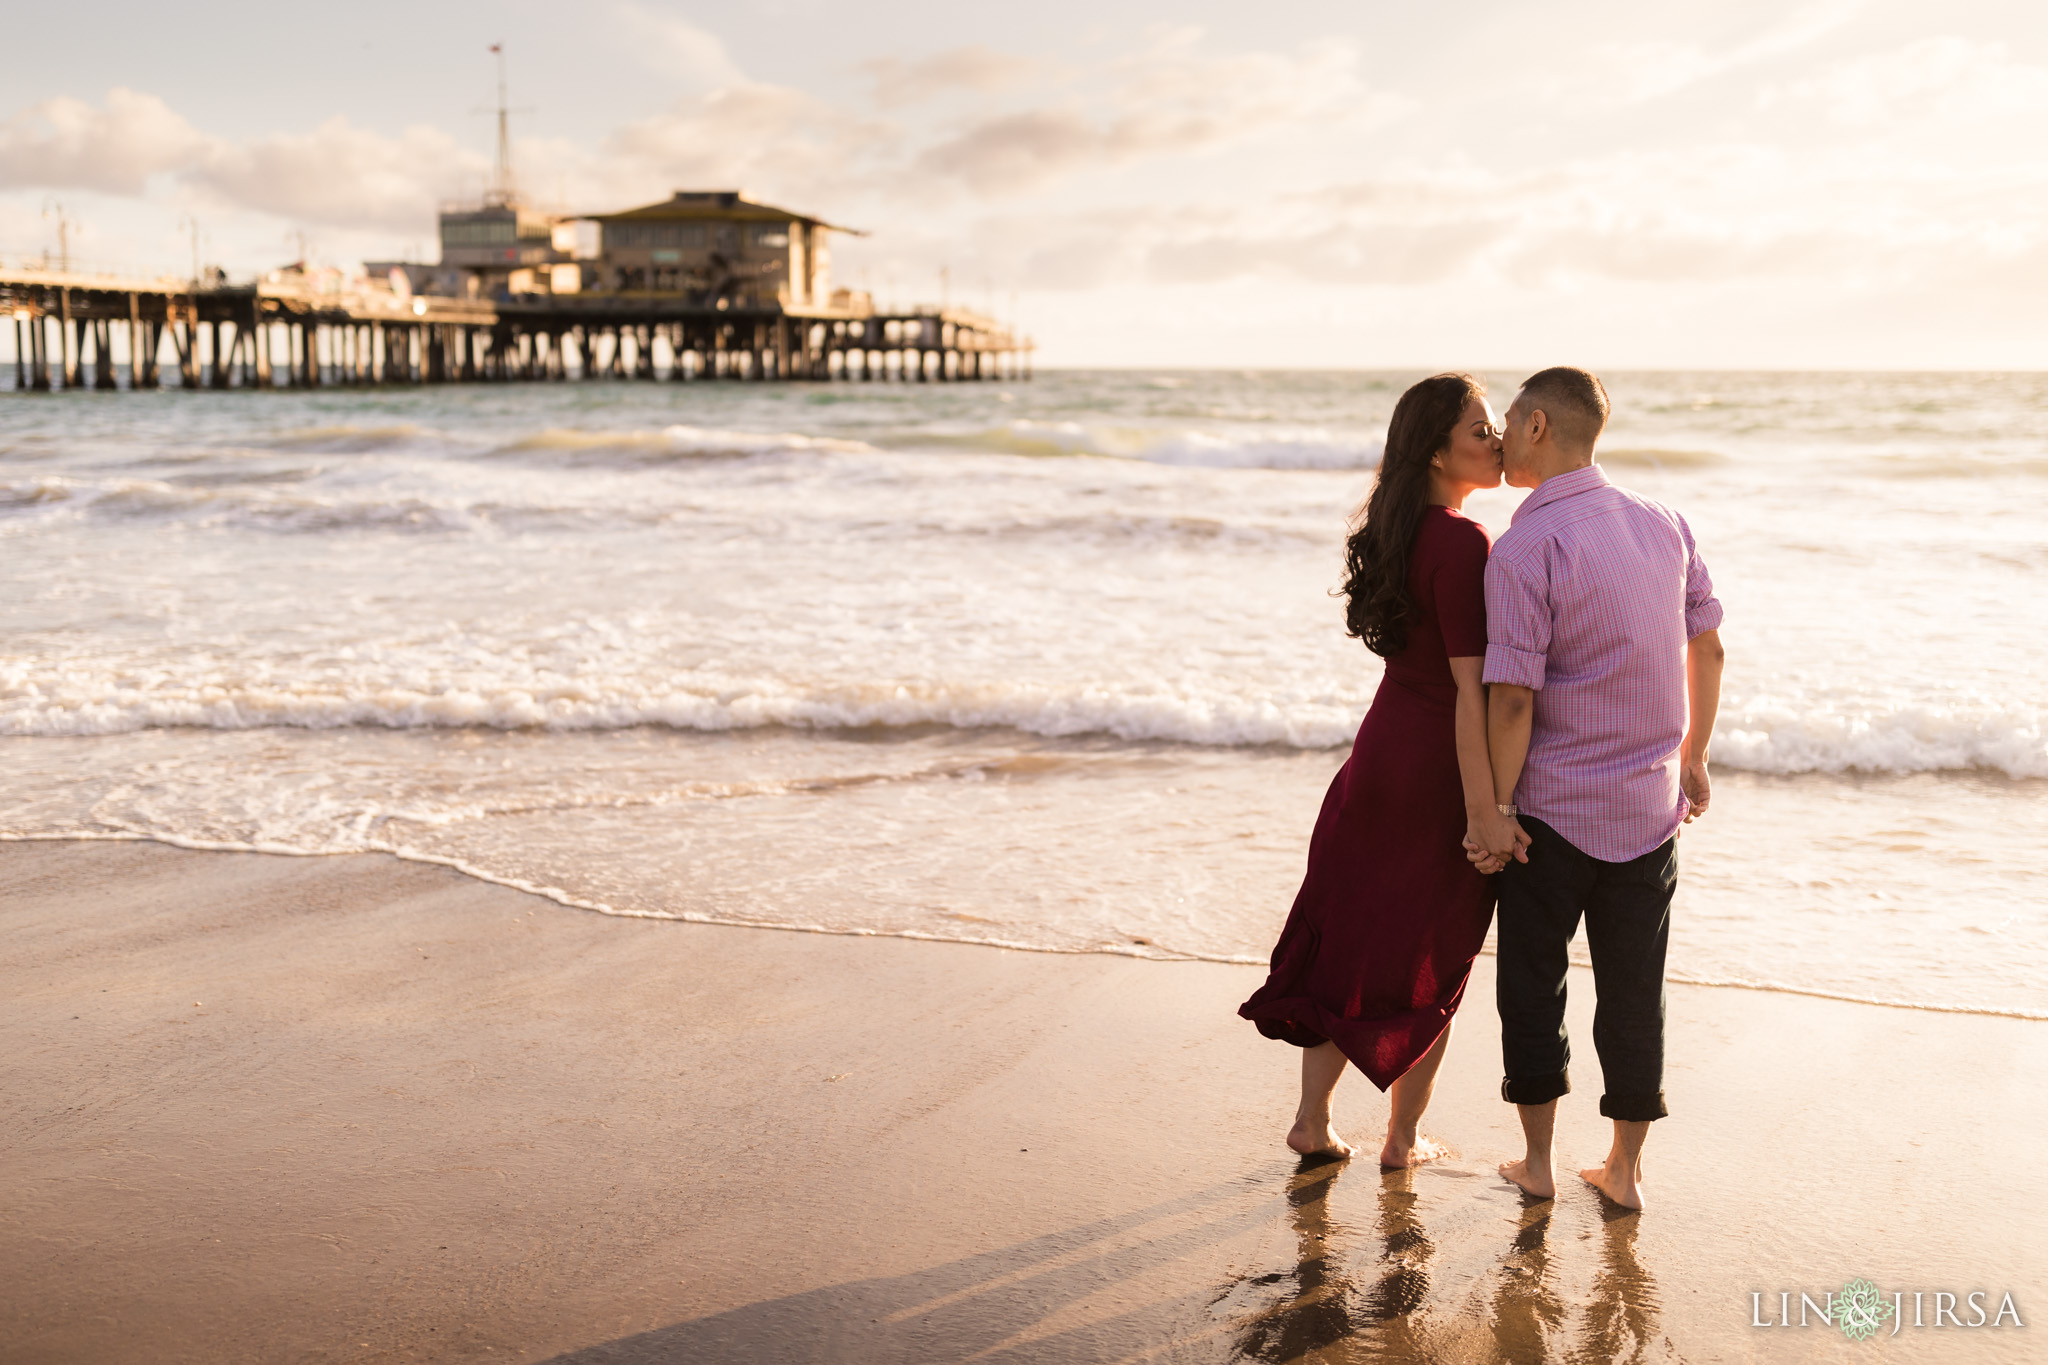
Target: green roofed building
(719, 249)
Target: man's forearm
(1510, 711)
(1704, 658)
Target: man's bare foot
(1538, 1182)
(1418, 1151)
(1620, 1187)
(1317, 1139)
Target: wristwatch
(1507, 810)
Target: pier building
(719, 249)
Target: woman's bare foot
(1621, 1186)
(1317, 1139)
(1416, 1151)
(1322, 1066)
(1533, 1180)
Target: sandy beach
(350, 1108)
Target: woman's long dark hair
(1376, 556)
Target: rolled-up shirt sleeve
(1702, 608)
(1517, 624)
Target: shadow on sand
(998, 1306)
(1327, 1304)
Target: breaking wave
(677, 443)
(284, 504)
(1784, 737)
(1307, 448)
(1125, 712)
(252, 504)
(347, 440)
(1765, 737)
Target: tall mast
(502, 191)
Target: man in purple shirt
(1604, 662)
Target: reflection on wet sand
(1522, 1302)
(1445, 1266)
(1621, 1313)
(1321, 1306)
(1526, 1312)
(1528, 1317)
(1327, 1305)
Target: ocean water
(1050, 665)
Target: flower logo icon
(1860, 1310)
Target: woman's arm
(1475, 770)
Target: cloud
(336, 174)
(977, 69)
(1078, 251)
(1025, 127)
(676, 47)
(1736, 212)
(339, 174)
(1944, 82)
(762, 138)
(1169, 100)
(1311, 238)
(1632, 72)
(1377, 253)
(1911, 164)
(65, 143)
(1015, 152)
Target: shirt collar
(1561, 486)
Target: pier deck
(291, 331)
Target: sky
(1825, 185)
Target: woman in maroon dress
(1376, 952)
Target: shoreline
(570, 901)
(415, 1116)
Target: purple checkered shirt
(1591, 596)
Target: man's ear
(1539, 423)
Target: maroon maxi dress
(1379, 945)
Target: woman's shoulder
(1453, 534)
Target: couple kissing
(1538, 738)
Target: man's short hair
(1573, 399)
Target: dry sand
(291, 1109)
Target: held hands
(1480, 858)
(1491, 839)
(1692, 780)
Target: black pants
(1627, 907)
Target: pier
(288, 330)
(706, 284)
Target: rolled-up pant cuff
(1634, 1108)
(1536, 1089)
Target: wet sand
(258, 1108)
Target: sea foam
(1306, 448)
(681, 442)
(1771, 737)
